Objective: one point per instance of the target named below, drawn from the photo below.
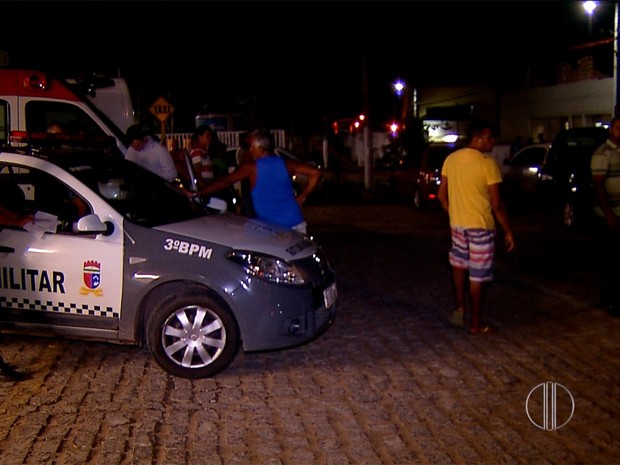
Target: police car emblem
(91, 275)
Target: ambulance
(117, 254)
(31, 101)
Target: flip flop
(483, 329)
(457, 319)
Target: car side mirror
(91, 224)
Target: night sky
(298, 62)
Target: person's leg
(459, 258)
(605, 262)
(476, 291)
(482, 251)
(460, 278)
(612, 274)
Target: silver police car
(118, 254)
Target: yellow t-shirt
(469, 174)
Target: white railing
(230, 138)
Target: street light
(400, 87)
(589, 7)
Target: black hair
(200, 130)
(477, 127)
(135, 132)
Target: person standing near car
(203, 166)
(244, 156)
(470, 193)
(605, 167)
(149, 153)
(210, 160)
(273, 196)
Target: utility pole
(368, 142)
(616, 59)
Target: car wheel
(192, 335)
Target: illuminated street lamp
(400, 87)
(589, 8)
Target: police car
(117, 254)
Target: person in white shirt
(149, 153)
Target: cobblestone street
(391, 382)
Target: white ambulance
(32, 101)
(118, 254)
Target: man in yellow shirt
(470, 193)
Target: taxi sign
(162, 109)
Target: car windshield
(139, 195)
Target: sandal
(483, 329)
(458, 319)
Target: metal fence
(230, 138)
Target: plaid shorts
(473, 250)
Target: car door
(53, 279)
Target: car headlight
(267, 267)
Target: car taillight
(18, 137)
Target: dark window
(41, 114)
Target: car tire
(192, 335)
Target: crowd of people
(267, 192)
(469, 192)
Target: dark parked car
(419, 176)
(565, 177)
(521, 173)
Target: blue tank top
(273, 195)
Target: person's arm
(12, 219)
(442, 193)
(601, 197)
(242, 172)
(196, 157)
(499, 209)
(168, 168)
(312, 172)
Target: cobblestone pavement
(389, 383)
